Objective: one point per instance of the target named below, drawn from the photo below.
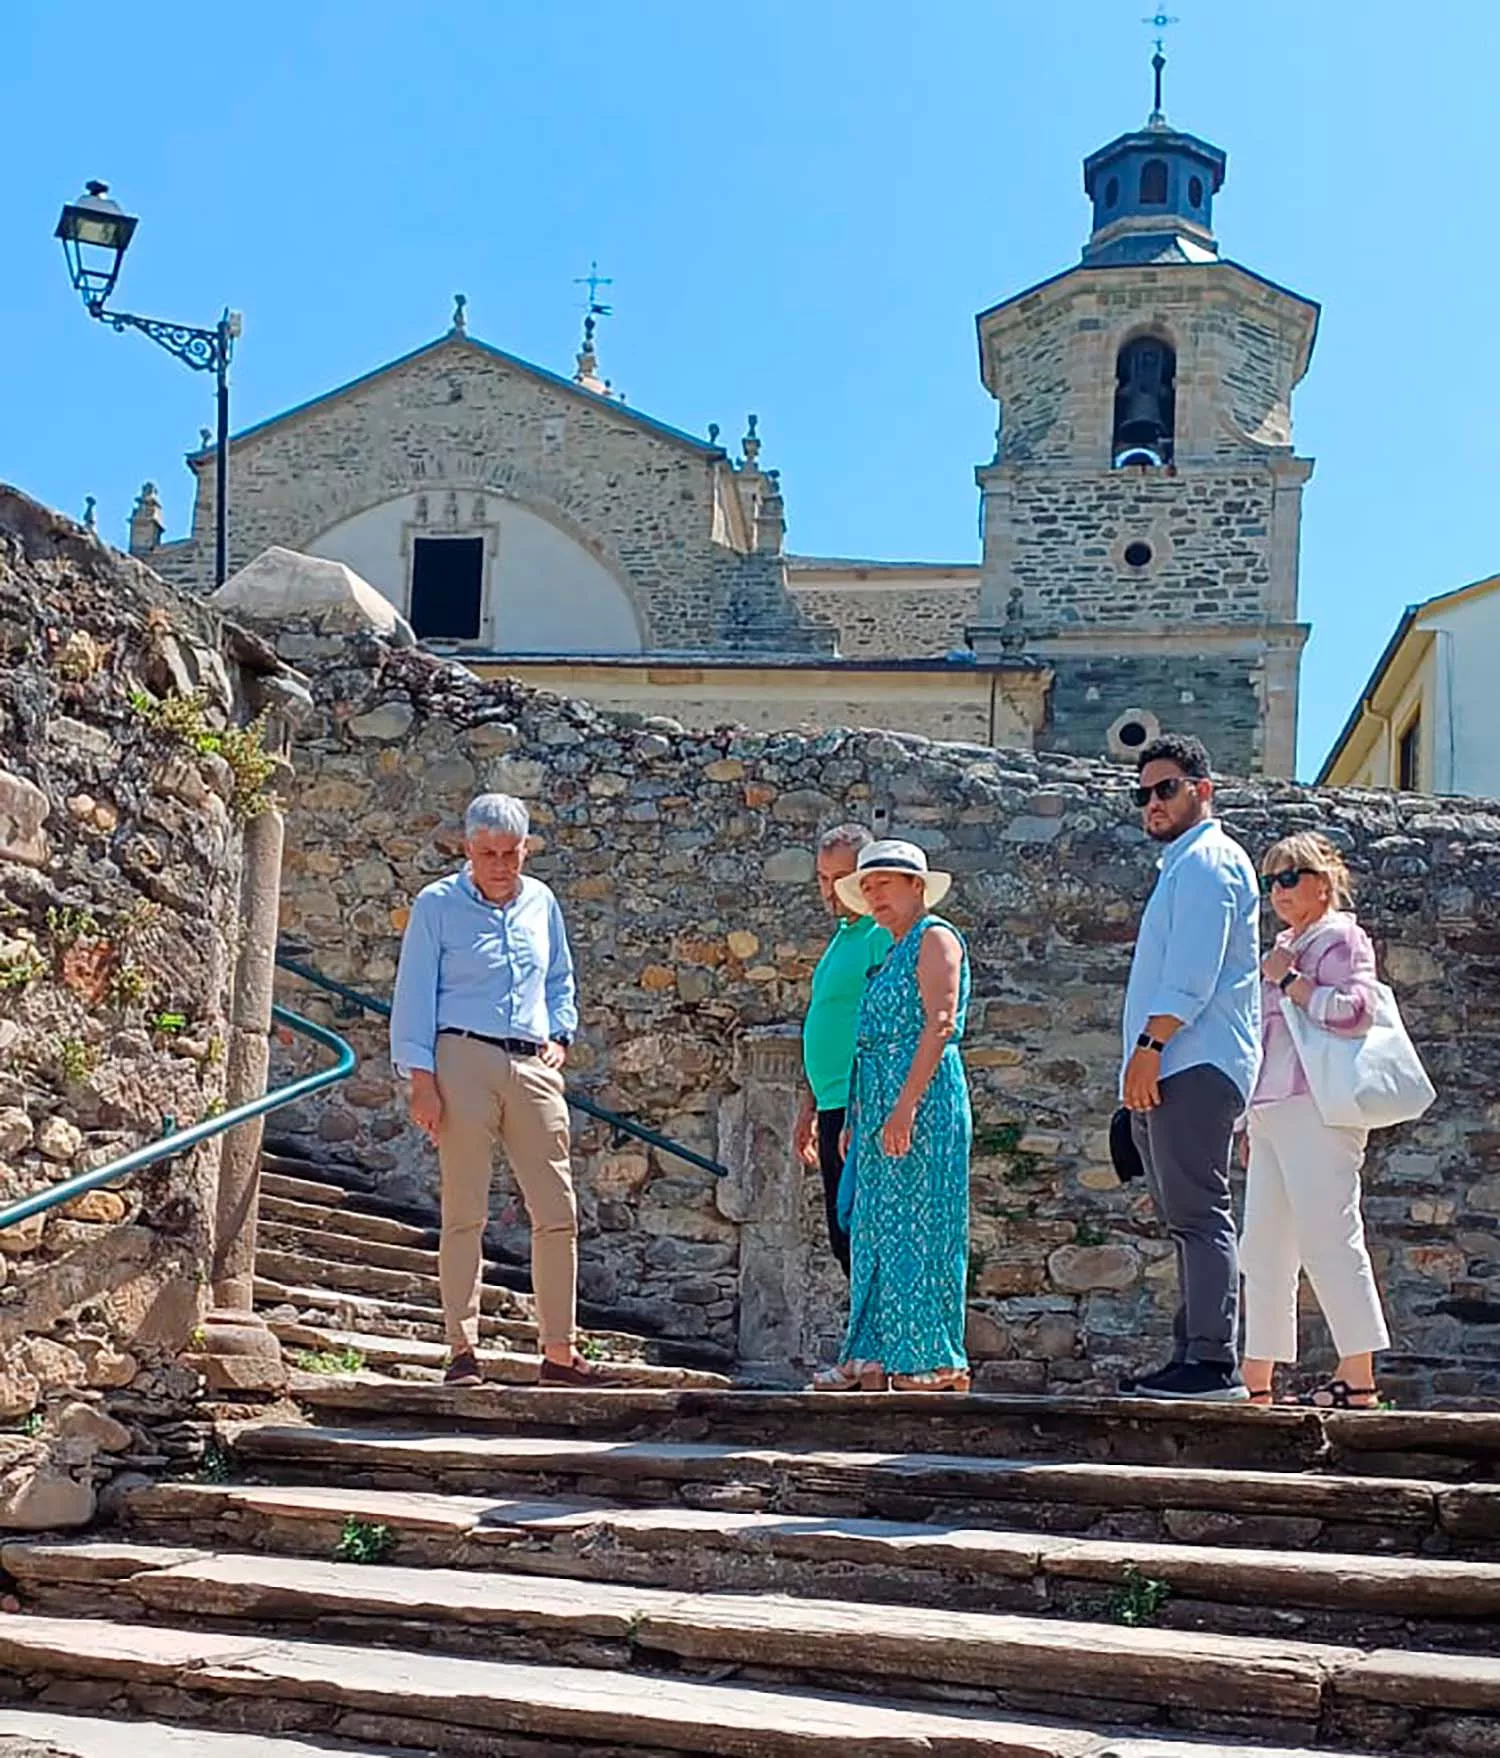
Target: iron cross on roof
(593, 280)
(1160, 21)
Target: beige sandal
(939, 1379)
(851, 1376)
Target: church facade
(1140, 516)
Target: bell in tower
(1145, 402)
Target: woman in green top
(910, 1130)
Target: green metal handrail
(625, 1125)
(169, 1146)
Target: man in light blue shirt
(1192, 1052)
(481, 1021)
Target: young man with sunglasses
(1192, 1051)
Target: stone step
(1394, 1601)
(328, 1243)
(439, 1702)
(383, 1317)
(1458, 1448)
(59, 1735)
(504, 1366)
(299, 1187)
(307, 1267)
(1171, 1679)
(346, 1221)
(1082, 1498)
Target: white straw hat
(891, 856)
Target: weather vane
(1160, 21)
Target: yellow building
(1428, 721)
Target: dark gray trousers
(1185, 1144)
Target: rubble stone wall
(684, 865)
(119, 867)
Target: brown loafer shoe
(578, 1372)
(463, 1370)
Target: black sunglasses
(1289, 878)
(1165, 789)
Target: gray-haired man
(481, 1020)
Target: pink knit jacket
(1335, 954)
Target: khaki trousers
(490, 1096)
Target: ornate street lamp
(95, 234)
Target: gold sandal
(851, 1376)
(939, 1379)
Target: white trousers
(1302, 1213)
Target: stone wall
(882, 622)
(684, 864)
(119, 862)
(1217, 696)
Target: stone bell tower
(1142, 511)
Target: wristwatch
(563, 1038)
(1146, 1042)
(1285, 984)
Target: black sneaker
(463, 1370)
(1130, 1383)
(1209, 1382)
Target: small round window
(1132, 730)
(1112, 192)
(1195, 191)
(1138, 554)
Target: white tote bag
(1370, 1081)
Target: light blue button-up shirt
(1197, 958)
(501, 969)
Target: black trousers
(831, 1163)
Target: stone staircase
(341, 1275)
(382, 1565)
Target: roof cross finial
(1160, 21)
(593, 280)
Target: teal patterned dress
(910, 1220)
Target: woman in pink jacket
(1302, 1194)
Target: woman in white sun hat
(906, 1181)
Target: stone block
(88, 1423)
(16, 1130)
(22, 1237)
(1081, 1268)
(96, 1205)
(390, 721)
(789, 866)
(59, 1140)
(492, 738)
(23, 813)
(282, 586)
(44, 1499)
(985, 1339)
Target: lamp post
(95, 234)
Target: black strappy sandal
(1339, 1395)
(1263, 1400)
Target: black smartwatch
(563, 1038)
(1286, 982)
(1146, 1042)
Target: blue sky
(803, 203)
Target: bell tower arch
(1144, 499)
